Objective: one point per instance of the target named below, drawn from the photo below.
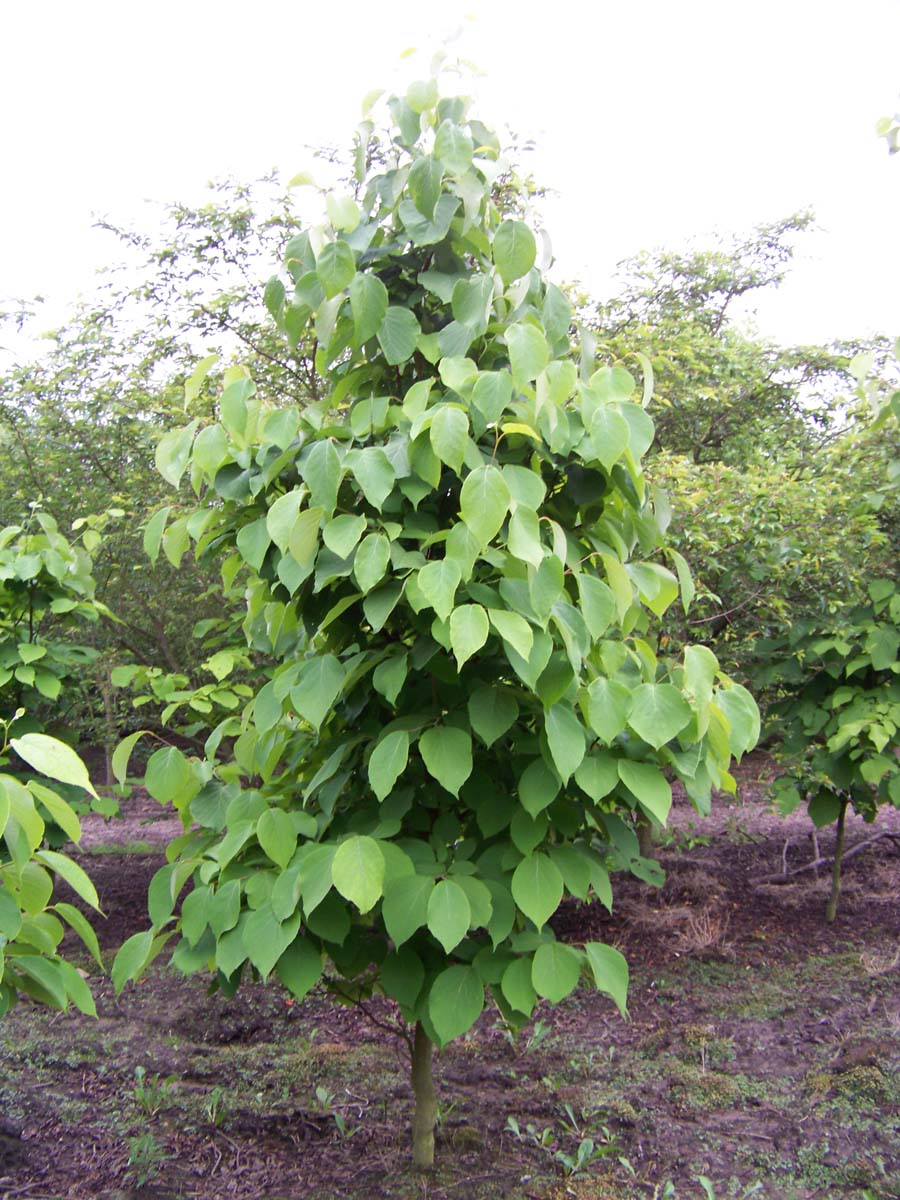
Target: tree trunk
(425, 1115)
(832, 906)
(109, 726)
(644, 829)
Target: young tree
(839, 711)
(46, 590)
(452, 565)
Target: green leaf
(379, 605)
(449, 435)
(514, 250)
(438, 581)
(609, 433)
(527, 832)
(455, 1002)
(484, 502)
(398, 334)
(743, 718)
(425, 178)
(468, 631)
(132, 958)
(210, 450)
(700, 670)
(685, 579)
(425, 232)
(648, 784)
(537, 888)
(402, 975)
(342, 533)
(565, 737)
(598, 605)
(471, 306)
(610, 972)
(357, 872)
(388, 677)
(608, 706)
(168, 774)
(300, 967)
(524, 537)
(265, 938)
(513, 629)
(538, 787)
(529, 353)
(657, 586)
(321, 471)
(253, 541)
(517, 987)
(422, 95)
(388, 762)
(447, 754)
(658, 713)
(153, 532)
(343, 212)
(371, 561)
(525, 486)
(453, 146)
(282, 515)
(449, 914)
(52, 758)
(318, 686)
(79, 922)
(368, 304)
(598, 775)
(824, 809)
(491, 394)
(276, 834)
(372, 470)
(491, 713)
(480, 899)
(64, 816)
(555, 971)
(405, 906)
(335, 268)
(173, 451)
(75, 876)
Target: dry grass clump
(642, 915)
(705, 933)
(879, 962)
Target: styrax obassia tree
(449, 568)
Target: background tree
(765, 450)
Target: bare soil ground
(762, 1052)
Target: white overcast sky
(654, 120)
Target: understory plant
(31, 924)
(46, 591)
(454, 568)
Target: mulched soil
(762, 1046)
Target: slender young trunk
(644, 829)
(425, 1115)
(832, 906)
(109, 726)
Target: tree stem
(644, 830)
(832, 906)
(425, 1115)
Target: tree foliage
(452, 561)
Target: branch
(786, 876)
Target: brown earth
(763, 1048)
